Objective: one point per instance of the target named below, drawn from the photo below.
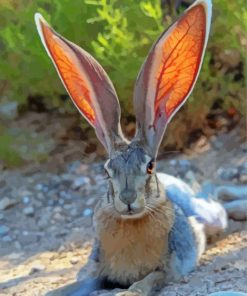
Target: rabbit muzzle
(128, 196)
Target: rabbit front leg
(155, 279)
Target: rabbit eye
(150, 167)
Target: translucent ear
(169, 73)
(86, 82)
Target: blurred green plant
(119, 34)
(7, 153)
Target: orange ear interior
(181, 57)
(69, 71)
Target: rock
(26, 200)
(87, 212)
(173, 162)
(66, 177)
(40, 196)
(4, 230)
(24, 193)
(7, 239)
(90, 201)
(61, 201)
(243, 168)
(228, 174)
(57, 209)
(27, 239)
(44, 219)
(80, 181)
(29, 211)
(6, 203)
(185, 163)
(73, 212)
(74, 260)
(67, 206)
(237, 209)
(42, 187)
(58, 217)
(14, 256)
(51, 202)
(201, 145)
(39, 186)
(17, 245)
(1, 216)
(231, 192)
(243, 179)
(37, 268)
(243, 147)
(65, 195)
(235, 226)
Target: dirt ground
(46, 223)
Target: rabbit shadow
(85, 287)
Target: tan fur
(132, 248)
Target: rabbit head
(165, 81)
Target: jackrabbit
(149, 227)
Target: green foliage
(118, 33)
(7, 153)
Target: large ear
(87, 84)
(169, 73)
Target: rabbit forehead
(132, 160)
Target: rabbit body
(164, 240)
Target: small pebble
(64, 194)
(80, 181)
(26, 200)
(61, 201)
(87, 212)
(184, 163)
(6, 203)
(29, 211)
(173, 162)
(73, 212)
(227, 174)
(7, 239)
(74, 260)
(3, 230)
(58, 217)
(39, 187)
(90, 201)
(37, 268)
(243, 178)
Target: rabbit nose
(128, 196)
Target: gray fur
(129, 161)
(182, 246)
